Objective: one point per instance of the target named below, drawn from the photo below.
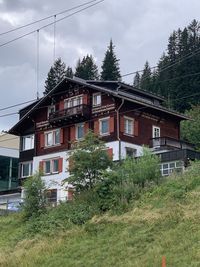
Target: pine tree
(136, 80)
(145, 81)
(55, 75)
(110, 66)
(87, 69)
(69, 72)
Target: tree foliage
(110, 66)
(35, 202)
(89, 163)
(87, 69)
(55, 75)
(190, 129)
(176, 77)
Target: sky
(139, 29)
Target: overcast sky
(139, 29)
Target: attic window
(96, 99)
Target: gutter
(118, 128)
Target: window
(104, 126)
(28, 142)
(128, 126)
(156, 132)
(96, 99)
(79, 131)
(73, 101)
(131, 152)
(169, 167)
(51, 195)
(26, 169)
(51, 166)
(52, 138)
(51, 109)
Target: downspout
(118, 128)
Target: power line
(189, 55)
(19, 104)
(9, 114)
(40, 20)
(47, 25)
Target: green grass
(164, 221)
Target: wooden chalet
(124, 117)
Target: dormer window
(96, 99)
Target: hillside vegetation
(163, 221)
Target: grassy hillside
(164, 221)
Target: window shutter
(135, 128)
(121, 124)
(96, 127)
(60, 165)
(41, 166)
(111, 122)
(61, 105)
(72, 134)
(85, 99)
(86, 127)
(70, 194)
(61, 135)
(110, 153)
(42, 141)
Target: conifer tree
(87, 69)
(136, 80)
(69, 72)
(110, 66)
(56, 74)
(145, 81)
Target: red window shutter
(110, 153)
(72, 134)
(41, 166)
(96, 127)
(42, 141)
(70, 194)
(86, 127)
(111, 122)
(135, 128)
(61, 105)
(60, 165)
(61, 135)
(121, 124)
(85, 99)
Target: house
(9, 157)
(124, 117)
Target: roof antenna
(38, 61)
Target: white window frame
(154, 132)
(50, 108)
(32, 139)
(69, 102)
(76, 127)
(100, 126)
(96, 99)
(30, 171)
(131, 149)
(52, 171)
(170, 169)
(53, 132)
(132, 129)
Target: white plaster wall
(9, 152)
(55, 181)
(115, 146)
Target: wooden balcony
(73, 114)
(168, 143)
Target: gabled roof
(114, 88)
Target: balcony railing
(170, 143)
(69, 113)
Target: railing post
(163, 261)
